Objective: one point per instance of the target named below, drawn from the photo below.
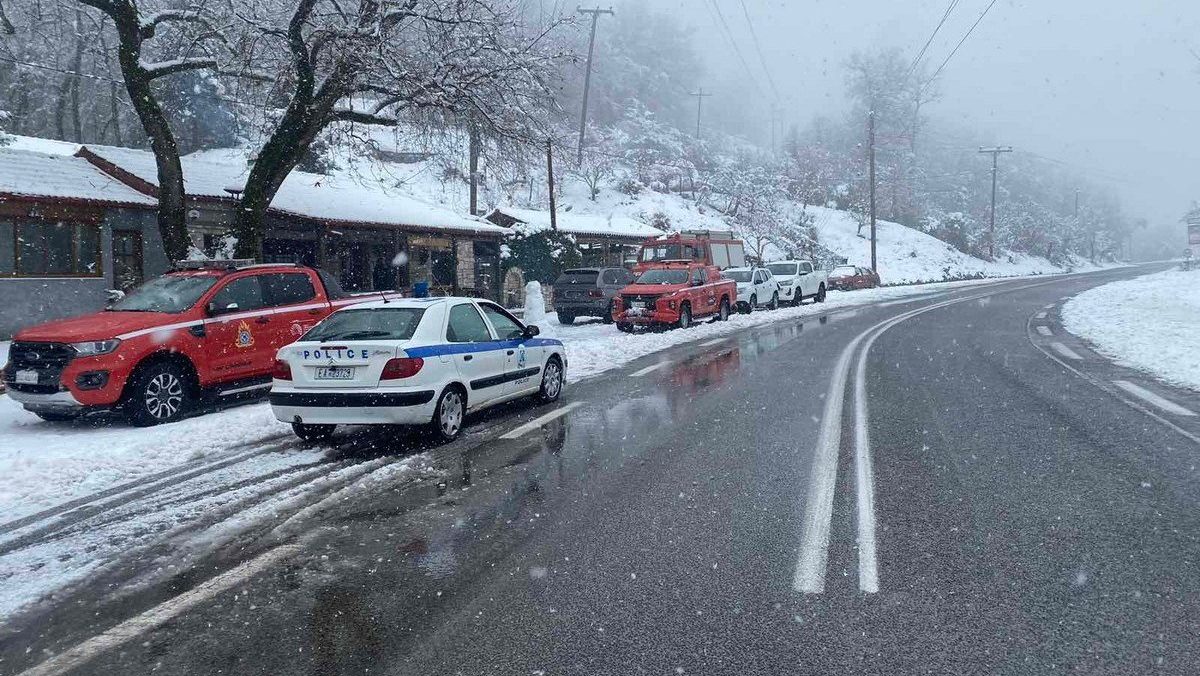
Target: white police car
(412, 361)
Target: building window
(49, 249)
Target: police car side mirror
(531, 331)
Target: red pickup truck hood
(96, 326)
(653, 289)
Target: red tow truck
(206, 329)
(674, 293)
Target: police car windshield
(169, 293)
(663, 277)
(368, 324)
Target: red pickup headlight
(282, 370)
(403, 367)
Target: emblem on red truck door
(244, 337)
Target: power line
(960, 44)
(946, 15)
(758, 48)
(729, 38)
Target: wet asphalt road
(1026, 522)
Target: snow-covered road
(1150, 323)
(78, 499)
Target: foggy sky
(1109, 87)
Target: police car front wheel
(552, 380)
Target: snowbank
(1150, 323)
(46, 464)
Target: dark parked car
(847, 277)
(588, 292)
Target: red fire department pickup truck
(673, 293)
(207, 329)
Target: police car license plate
(638, 305)
(26, 377)
(335, 373)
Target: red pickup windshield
(169, 293)
(663, 277)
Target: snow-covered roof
(327, 198)
(35, 174)
(582, 224)
(38, 145)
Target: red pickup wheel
(685, 316)
(160, 391)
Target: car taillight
(595, 293)
(403, 367)
(282, 370)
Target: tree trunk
(172, 214)
(76, 68)
(276, 159)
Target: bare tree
(367, 62)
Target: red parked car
(847, 277)
(210, 330)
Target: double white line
(818, 515)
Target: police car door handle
(510, 353)
(468, 358)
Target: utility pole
(587, 78)
(473, 166)
(995, 152)
(871, 155)
(550, 179)
(700, 96)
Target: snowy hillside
(905, 255)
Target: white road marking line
(158, 615)
(814, 541)
(650, 369)
(1065, 351)
(818, 514)
(864, 477)
(1153, 399)
(1040, 315)
(538, 422)
(713, 342)
(1044, 330)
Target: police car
(409, 362)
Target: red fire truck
(718, 248)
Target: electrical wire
(946, 15)
(758, 48)
(960, 44)
(732, 41)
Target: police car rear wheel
(552, 381)
(448, 416)
(313, 432)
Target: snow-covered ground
(1150, 323)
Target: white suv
(756, 288)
